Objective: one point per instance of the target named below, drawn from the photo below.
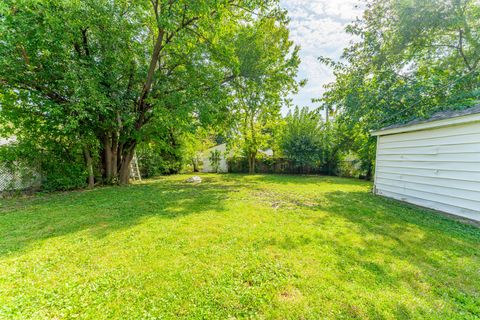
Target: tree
(195, 143)
(163, 153)
(413, 58)
(267, 66)
(301, 140)
(97, 73)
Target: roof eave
(429, 125)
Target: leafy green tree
(267, 66)
(335, 144)
(194, 144)
(162, 153)
(412, 58)
(97, 73)
(301, 140)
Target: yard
(234, 246)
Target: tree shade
(98, 77)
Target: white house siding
(438, 168)
(223, 166)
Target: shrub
(350, 166)
(214, 158)
(58, 175)
(53, 168)
(155, 160)
(301, 140)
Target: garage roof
(439, 119)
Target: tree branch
(151, 69)
(460, 50)
(85, 42)
(25, 55)
(203, 88)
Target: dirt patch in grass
(290, 295)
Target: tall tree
(412, 58)
(301, 140)
(98, 72)
(267, 66)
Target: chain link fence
(15, 177)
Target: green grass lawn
(234, 246)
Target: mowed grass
(234, 246)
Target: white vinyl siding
(436, 167)
(223, 165)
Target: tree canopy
(98, 77)
(267, 66)
(301, 139)
(412, 58)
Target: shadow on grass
(377, 243)
(401, 242)
(296, 179)
(103, 210)
(381, 245)
(391, 217)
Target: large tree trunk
(124, 171)
(195, 164)
(251, 162)
(89, 164)
(114, 172)
(107, 157)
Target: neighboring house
(433, 163)
(205, 158)
(7, 141)
(224, 155)
(267, 152)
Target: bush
(350, 166)
(301, 141)
(157, 159)
(59, 175)
(54, 169)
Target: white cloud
(318, 26)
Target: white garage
(433, 163)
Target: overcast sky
(318, 26)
